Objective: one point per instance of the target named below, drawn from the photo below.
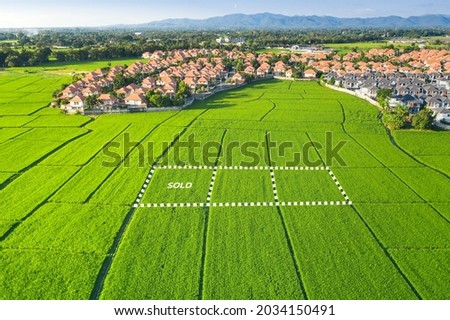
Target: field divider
(206, 221)
(332, 175)
(278, 205)
(268, 112)
(35, 163)
(388, 254)
(394, 143)
(40, 205)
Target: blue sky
(48, 13)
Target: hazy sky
(50, 13)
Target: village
(417, 79)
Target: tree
(332, 81)
(155, 99)
(92, 101)
(401, 110)
(393, 120)
(423, 120)
(13, 61)
(183, 89)
(383, 96)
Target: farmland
(117, 207)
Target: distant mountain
(277, 21)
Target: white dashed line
(208, 203)
(341, 189)
(244, 204)
(276, 168)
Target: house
(310, 74)
(238, 78)
(351, 84)
(191, 83)
(280, 68)
(136, 100)
(90, 91)
(149, 83)
(106, 100)
(70, 92)
(263, 70)
(289, 73)
(250, 70)
(203, 81)
(76, 104)
(443, 115)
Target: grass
(428, 183)
(68, 227)
(159, 190)
(306, 186)
(427, 270)
(123, 186)
(65, 68)
(69, 208)
(248, 257)
(25, 153)
(374, 185)
(30, 189)
(332, 246)
(244, 148)
(352, 154)
(55, 275)
(243, 186)
(159, 258)
(89, 145)
(9, 133)
(85, 182)
(291, 150)
(195, 147)
(383, 150)
(424, 143)
(407, 226)
(57, 121)
(51, 134)
(5, 176)
(344, 48)
(15, 121)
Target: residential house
(107, 101)
(76, 104)
(310, 74)
(136, 100)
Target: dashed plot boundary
(209, 204)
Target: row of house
(200, 68)
(413, 91)
(416, 78)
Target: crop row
(196, 147)
(348, 256)
(30, 189)
(160, 256)
(24, 153)
(383, 150)
(9, 133)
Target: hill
(277, 21)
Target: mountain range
(278, 21)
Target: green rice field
(237, 197)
